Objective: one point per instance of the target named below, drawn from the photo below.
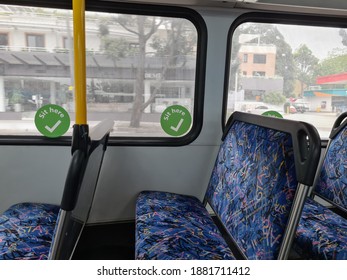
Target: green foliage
(117, 47)
(180, 40)
(16, 97)
(103, 29)
(306, 65)
(333, 65)
(274, 97)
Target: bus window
(296, 70)
(137, 67)
(142, 66)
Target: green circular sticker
(176, 120)
(274, 114)
(52, 120)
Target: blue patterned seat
(322, 234)
(252, 188)
(26, 231)
(36, 231)
(251, 191)
(176, 227)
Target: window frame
(36, 35)
(275, 18)
(152, 10)
(7, 38)
(259, 58)
(258, 73)
(245, 58)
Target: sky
(321, 40)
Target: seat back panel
(252, 187)
(332, 180)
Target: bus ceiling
(336, 7)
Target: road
(322, 121)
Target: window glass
(297, 70)
(147, 64)
(3, 40)
(245, 58)
(137, 66)
(259, 58)
(35, 41)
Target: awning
(340, 78)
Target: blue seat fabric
(252, 188)
(176, 227)
(26, 231)
(322, 234)
(332, 183)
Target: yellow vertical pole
(79, 61)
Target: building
(36, 63)
(257, 68)
(333, 97)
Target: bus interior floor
(107, 242)
(116, 242)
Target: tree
(275, 98)
(143, 28)
(343, 35)
(174, 50)
(333, 65)
(337, 59)
(171, 50)
(180, 42)
(234, 60)
(306, 65)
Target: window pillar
(147, 95)
(2, 95)
(52, 98)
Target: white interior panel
(186, 170)
(32, 174)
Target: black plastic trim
(340, 208)
(278, 18)
(141, 9)
(305, 137)
(73, 180)
(339, 124)
(12, 140)
(59, 4)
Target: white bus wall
(185, 170)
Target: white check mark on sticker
(54, 127)
(178, 126)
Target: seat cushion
(26, 231)
(176, 227)
(321, 233)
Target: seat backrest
(255, 179)
(331, 181)
(79, 192)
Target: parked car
(259, 109)
(289, 108)
(300, 107)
